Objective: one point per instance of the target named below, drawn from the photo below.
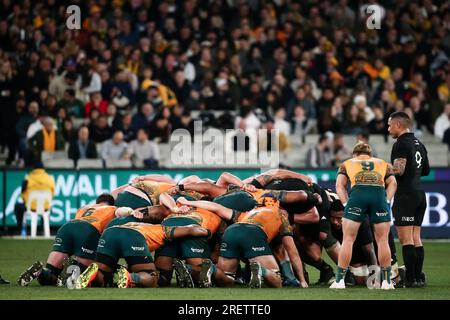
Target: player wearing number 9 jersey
(410, 160)
(372, 187)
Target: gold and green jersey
(365, 170)
(153, 189)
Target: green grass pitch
(17, 255)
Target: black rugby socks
(410, 260)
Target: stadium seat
(49, 155)
(40, 198)
(59, 163)
(90, 164)
(112, 163)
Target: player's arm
(264, 179)
(154, 177)
(166, 200)
(298, 196)
(341, 184)
(227, 178)
(216, 208)
(311, 216)
(203, 187)
(189, 231)
(296, 261)
(399, 166)
(398, 157)
(118, 190)
(123, 212)
(391, 187)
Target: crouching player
(132, 241)
(249, 238)
(78, 237)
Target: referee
(410, 162)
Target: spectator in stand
(144, 152)
(47, 139)
(83, 147)
(319, 156)
(144, 117)
(442, 123)
(25, 120)
(115, 148)
(96, 102)
(161, 127)
(340, 151)
(100, 131)
(59, 85)
(356, 120)
(74, 106)
(69, 133)
(114, 118)
(378, 123)
(280, 123)
(128, 132)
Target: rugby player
(78, 237)
(132, 241)
(249, 238)
(410, 161)
(193, 249)
(373, 185)
(363, 251)
(311, 225)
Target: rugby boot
(64, 275)
(122, 278)
(422, 280)
(350, 279)
(387, 286)
(30, 274)
(86, 278)
(256, 275)
(184, 278)
(338, 285)
(326, 276)
(206, 273)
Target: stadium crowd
(137, 69)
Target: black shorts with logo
(409, 208)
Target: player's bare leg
(282, 258)
(165, 267)
(46, 275)
(384, 253)
(268, 270)
(350, 230)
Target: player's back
(153, 189)
(154, 234)
(366, 171)
(270, 219)
(410, 148)
(97, 215)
